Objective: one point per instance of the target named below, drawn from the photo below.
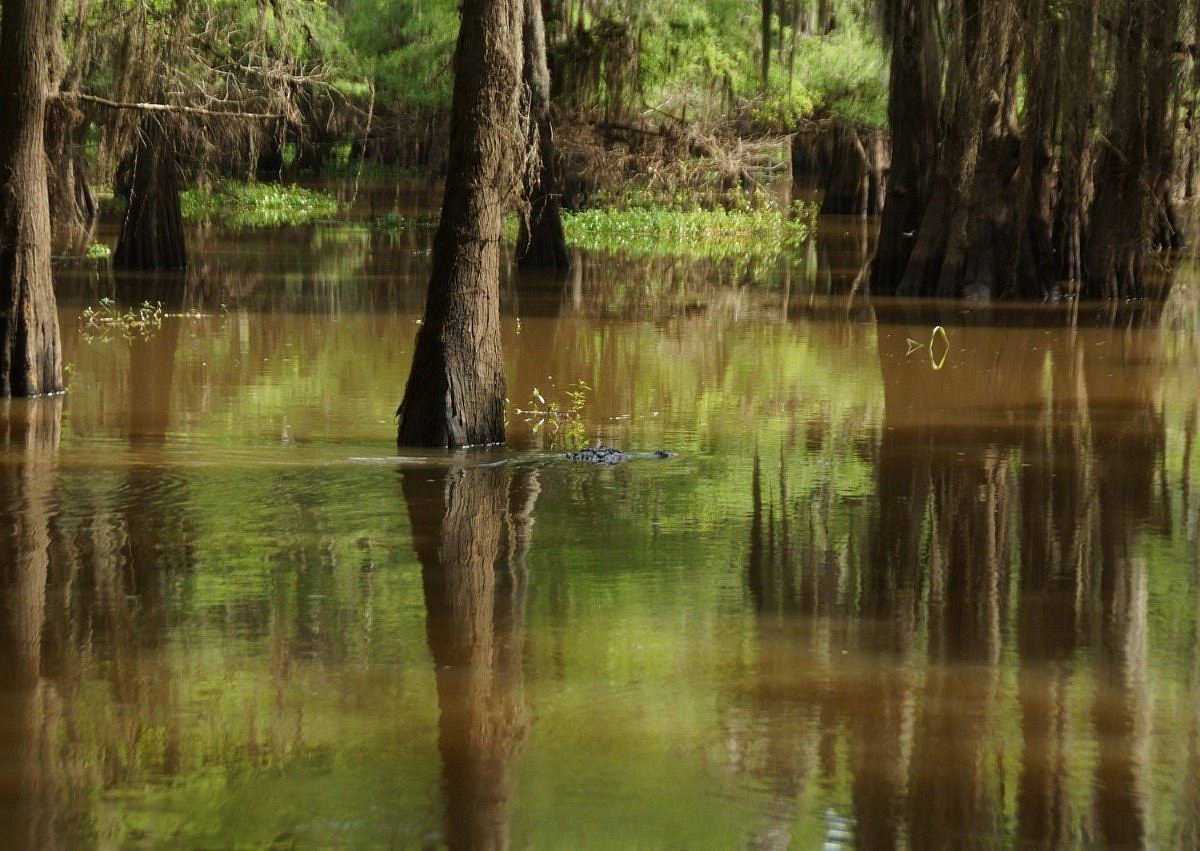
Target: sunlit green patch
(716, 234)
(257, 205)
(98, 251)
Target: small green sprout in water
(99, 251)
(554, 419)
(107, 322)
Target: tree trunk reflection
(30, 786)
(472, 544)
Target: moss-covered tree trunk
(152, 231)
(30, 349)
(541, 243)
(455, 392)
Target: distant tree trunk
(1078, 134)
(72, 206)
(30, 349)
(152, 231)
(912, 116)
(812, 156)
(855, 185)
(766, 45)
(455, 392)
(541, 243)
(1134, 168)
(973, 240)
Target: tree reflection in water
(1022, 453)
(31, 799)
(471, 543)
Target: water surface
(895, 590)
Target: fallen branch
(167, 107)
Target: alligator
(607, 455)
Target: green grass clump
(257, 205)
(715, 234)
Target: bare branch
(167, 107)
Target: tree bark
(912, 116)
(766, 45)
(1134, 166)
(855, 184)
(541, 243)
(455, 392)
(73, 208)
(152, 231)
(30, 348)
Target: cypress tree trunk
(912, 117)
(72, 206)
(455, 392)
(152, 231)
(1078, 132)
(978, 237)
(541, 243)
(30, 352)
(855, 185)
(1134, 170)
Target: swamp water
(896, 589)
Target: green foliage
(98, 251)
(716, 234)
(407, 49)
(843, 74)
(257, 205)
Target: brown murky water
(898, 589)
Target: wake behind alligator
(600, 456)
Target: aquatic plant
(257, 205)
(108, 322)
(555, 419)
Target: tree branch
(166, 107)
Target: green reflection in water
(869, 600)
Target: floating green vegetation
(108, 322)
(98, 251)
(393, 222)
(257, 205)
(716, 234)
